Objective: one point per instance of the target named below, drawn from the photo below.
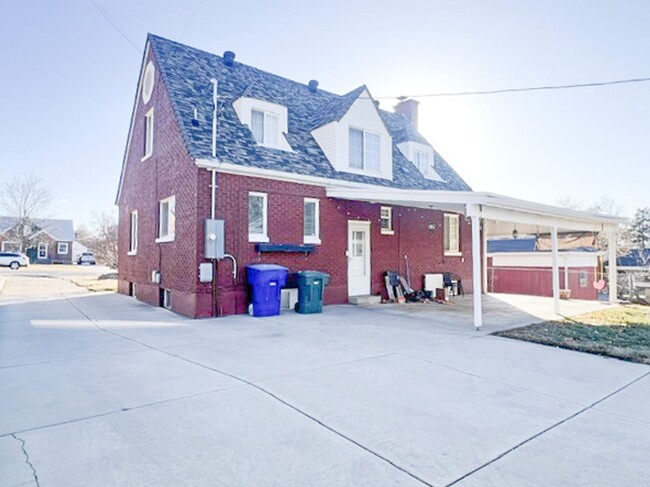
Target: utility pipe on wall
(214, 117)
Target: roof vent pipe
(229, 58)
(313, 85)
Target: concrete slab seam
(120, 410)
(546, 430)
(270, 394)
(27, 459)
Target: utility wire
(115, 25)
(520, 90)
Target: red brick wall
(170, 171)
(285, 225)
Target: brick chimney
(408, 108)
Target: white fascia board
(255, 172)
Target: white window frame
(133, 235)
(364, 166)
(386, 214)
(58, 248)
(42, 247)
(452, 250)
(167, 299)
(265, 133)
(171, 219)
(148, 134)
(417, 154)
(3, 246)
(312, 239)
(259, 237)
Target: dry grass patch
(622, 332)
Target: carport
(492, 214)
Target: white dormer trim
(410, 148)
(334, 138)
(244, 107)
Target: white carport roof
(494, 213)
(490, 206)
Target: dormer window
(268, 122)
(364, 150)
(264, 126)
(421, 160)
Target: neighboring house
(283, 172)
(519, 266)
(50, 239)
(636, 260)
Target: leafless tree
(25, 198)
(103, 238)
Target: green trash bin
(311, 286)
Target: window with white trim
(10, 247)
(133, 233)
(265, 127)
(364, 150)
(42, 250)
(421, 160)
(148, 135)
(62, 248)
(451, 234)
(311, 223)
(258, 217)
(166, 219)
(386, 220)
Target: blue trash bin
(266, 281)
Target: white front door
(358, 258)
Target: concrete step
(365, 299)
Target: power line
(520, 90)
(115, 25)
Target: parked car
(13, 260)
(87, 258)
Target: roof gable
(62, 230)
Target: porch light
(515, 233)
(432, 226)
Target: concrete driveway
(103, 390)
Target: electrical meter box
(215, 247)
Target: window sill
(312, 240)
(453, 254)
(132, 252)
(148, 156)
(166, 238)
(258, 238)
(388, 232)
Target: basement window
(166, 298)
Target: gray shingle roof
(187, 71)
(62, 230)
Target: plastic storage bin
(311, 286)
(266, 281)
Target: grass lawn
(622, 332)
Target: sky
(69, 76)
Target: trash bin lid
(266, 267)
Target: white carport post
(473, 211)
(556, 271)
(613, 271)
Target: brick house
(51, 239)
(294, 175)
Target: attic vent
(228, 58)
(313, 85)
